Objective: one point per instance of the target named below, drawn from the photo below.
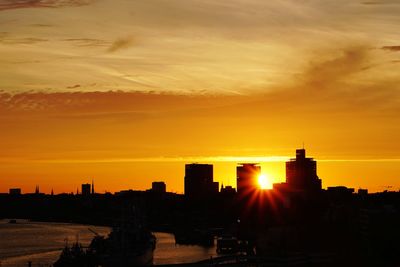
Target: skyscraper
(199, 180)
(301, 173)
(247, 175)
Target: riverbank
(41, 243)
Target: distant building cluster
(301, 178)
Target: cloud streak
(383, 2)
(324, 84)
(394, 48)
(23, 41)
(87, 42)
(14, 4)
(120, 44)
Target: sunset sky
(126, 92)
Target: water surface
(42, 243)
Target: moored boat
(129, 244)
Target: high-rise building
(301, 173)
(247, 175)
(85, 189)
(199, 180)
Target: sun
(264, 182)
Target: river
(42, 243)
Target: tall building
(247, 175)
(199, 181)
(301, 173)
(85, 189)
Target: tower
(301, 173)
(92, 187)
(199, 180)
(246, 178)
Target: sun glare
(264, 182)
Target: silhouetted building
(158, 187)
(85, 189)
(340, 192)
(15, 191)
(301, 173)
(247, 175)
(37, 191)
(199, 180)
(228, 190)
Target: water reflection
(41, 243)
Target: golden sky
(127, 92)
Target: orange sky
(127, 92)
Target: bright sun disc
(263, 181)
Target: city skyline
(263, 179)
(199, 133)
(129, 91)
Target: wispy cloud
(13, 4)
(42, 25)
(74, 86)
(25, 40)
(382, 2)
(394, 48)
(322, 73)
(87, 42)
(121, 43)
(111, 101)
